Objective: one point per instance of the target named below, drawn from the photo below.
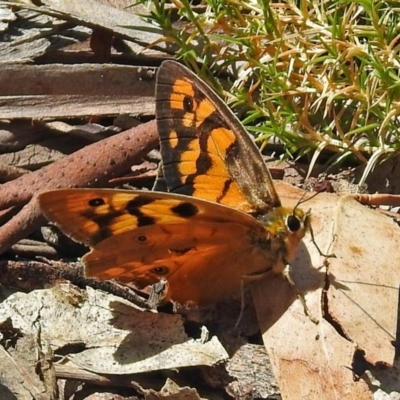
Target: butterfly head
(297, 222)
(286, 221)
(285, 227)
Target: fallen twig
(92, 166)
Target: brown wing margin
(191, 119)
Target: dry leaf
(172, 391)
(358, 313)
(111, 336)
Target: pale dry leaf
(358, 313)
(113, 336)
(18, 378)
(365, 280)
(172, 391)
(129, 26)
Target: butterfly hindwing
(206, 152)
(194, 264)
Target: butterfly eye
(293, 223)
(160, 270)
(188, 103)
(96, 202)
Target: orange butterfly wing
(206, 152)
(203, 248)
(141, 237)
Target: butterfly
(220, 223)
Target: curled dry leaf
(378, 199)
(353, 296)
(111, 336)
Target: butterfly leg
(286, 274)
(316, 245)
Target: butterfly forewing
(206, 152)
(96, 214)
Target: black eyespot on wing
(293, 223)
(160, 270)
(98, 201)
(185, 210)
(188, 104)
(142, 238)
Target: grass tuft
(318, 75)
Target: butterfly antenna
(303, 200)
(321, 253)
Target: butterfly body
(220, 224)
